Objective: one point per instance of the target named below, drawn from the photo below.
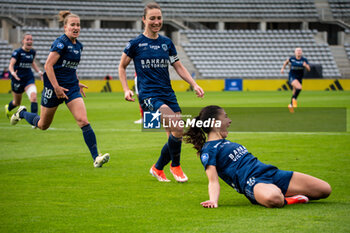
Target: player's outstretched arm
(185, 75)
(36, 68)
(284, 65)
(124, 62)
(307, 67)
(213, 188)
(12, 70)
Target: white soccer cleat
(101, 159)
(15, 117)
(138, 121)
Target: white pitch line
(74, 129)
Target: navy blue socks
(164, 157)
(170, 151)
(297, 92)
(34, 107)
(174, 150)
(11, 106)
(90, 140)
(32, 118)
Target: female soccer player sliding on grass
(261, 183)
(296, 73)
(151, 54)
(22, 78)
(61, 84)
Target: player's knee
(178, 130)
(33, 97)
(325, 190)
(43, 126)
(274, 200)
(82, 121)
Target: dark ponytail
(196, 135)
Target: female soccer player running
(22, 78)
(151, 53)
(261, 183)
(61, 84)
(296, 73)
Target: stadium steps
(341, 60)
(185, 60)
(324, 10)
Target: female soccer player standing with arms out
(61, 84)
(296, 73)
(151, 53)
(22, 78)
(261, 183)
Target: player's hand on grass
(128, 95)
(209, 204)
(82, 86)
(199, 91)
(60, 92)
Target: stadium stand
(347, 49)
(102, 49)
(215, 53)
(340, 9)
(5, 54)
(253, 53)
(233, 9)
(124, 8)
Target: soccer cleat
(294, 103)
(7, 112)
(138, 121)
(297, 199)
(159, 174)
(15, 117)
(178, 174)
(101, 159)
(291, 109)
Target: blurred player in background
(296, 73)
(61, 84)
(261, 183)
(151, 53)
(22, 78)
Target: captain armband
(173, 59)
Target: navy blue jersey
(234, 164)
(151, 60)
(296, 67)
(23, 65)
(66, 66)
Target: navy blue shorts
(280, 178)
(292, 78)
(50, 100)
(154, 103)
(19, 86)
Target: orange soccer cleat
(159, 174)
(297, 199)
(178, 174)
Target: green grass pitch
(48, 183)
